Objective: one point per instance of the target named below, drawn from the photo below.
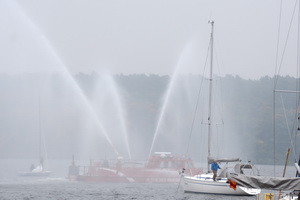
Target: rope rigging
(278, 69)
(197, 102)
(199, 96)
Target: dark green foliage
(248, 107)
(248, 104)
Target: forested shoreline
(247, 104)
(250, 103)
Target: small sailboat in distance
(39, 170)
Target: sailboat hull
(208, 186)
(35, 174)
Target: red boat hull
(159, 169)
(132, 175)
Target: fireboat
(162, 167)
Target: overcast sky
(141, 36)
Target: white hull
(207, 185)
(35, 174)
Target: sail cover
(265, 182)
(211, 159)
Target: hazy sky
(141, 36)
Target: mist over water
(91, 121)
(89, 118)
(97, 116)
(62, 111)
(182, 121)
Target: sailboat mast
(40, 137)
(210, 93)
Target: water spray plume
(119, 108)
(65, 71)
(162, 113)
(167, 97)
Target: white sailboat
(37, 171)
(204, 183)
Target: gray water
(58, 187)
(62, 189)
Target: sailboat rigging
(275, 183)
(289, 188)
(204, 183)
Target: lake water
(62, 189)
(58, 187)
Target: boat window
(190, 164)
(171, 164)
(165, 164)
(161, 165)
